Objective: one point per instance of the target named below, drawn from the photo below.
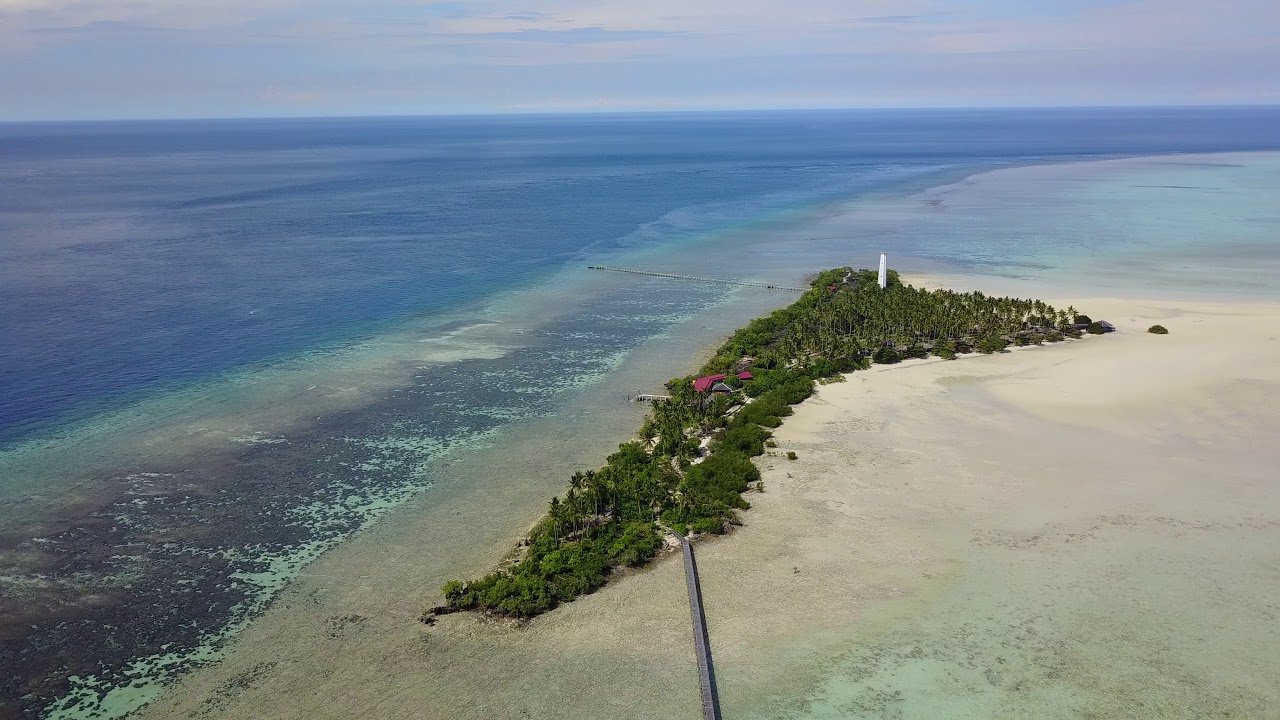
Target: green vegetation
(945, 349)
(1158, 330)
(610, 517)
(886, 355)
(992, 344)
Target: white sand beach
(1090, 529)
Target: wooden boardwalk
(695, 278)
(701, 641)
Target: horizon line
(639, 112)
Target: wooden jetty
(701, 641)
(695, 278)
(645, 397)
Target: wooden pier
(695, 278)
(701, 640)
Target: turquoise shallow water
(1193, 226)
(144, 525)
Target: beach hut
(1106, 326)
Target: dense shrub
(764, 411)
(766, 380)
(795, 391)
(707, 525)
(992, 344)
(746, 438)
(1095, 328)
(1158, 330)
(520, 595)
(720, 479)
(887, 355)
(639, 542)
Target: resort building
(715, 382)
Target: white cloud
(344, 55)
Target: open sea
(227, 346)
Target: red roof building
(706, 382)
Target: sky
(93, 59)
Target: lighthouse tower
(884, 270)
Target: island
(690, 468)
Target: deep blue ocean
(227, 346)
(137, 255)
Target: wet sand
(1090, 529)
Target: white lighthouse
(884, 270)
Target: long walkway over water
(695, 278)
(701, 641)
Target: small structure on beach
(884, 271)
(1095, 327)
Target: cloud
(94, 27)
(897, 19)
(181, 57)
(573, 36)
(527, 15)
(450, 9)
